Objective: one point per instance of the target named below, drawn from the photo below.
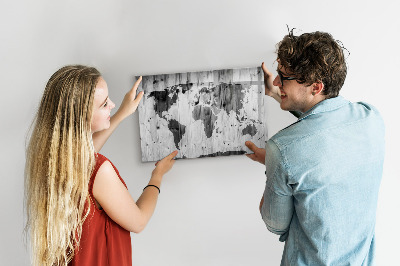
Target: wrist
(156, 177)
(118, 116)
(150, 185)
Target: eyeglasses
(282, 78)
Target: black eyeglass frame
(282, 78)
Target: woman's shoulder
(102, 164)
(99, 161)
(100, 158)
(106, 168)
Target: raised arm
(128, 107)
(270, 89)
(116, 201)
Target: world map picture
(201, 114)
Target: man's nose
(277, 81)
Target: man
(323, 171)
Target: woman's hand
(128, 107)
(131, 101)
(270, 89)
(164, 165)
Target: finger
(265, 69)
(139, 97)
(251, 146)
(172, 155)
(251, 156)
(136, 85)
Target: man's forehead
(279, 66)
(282, 69)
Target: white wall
(208, 208)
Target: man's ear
(317, 88)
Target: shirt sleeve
(277, 209)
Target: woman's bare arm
(128, 107)
(114, 198)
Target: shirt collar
(325, 106)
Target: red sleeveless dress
(103, 241)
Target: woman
(78, 207)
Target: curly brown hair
(314, 57)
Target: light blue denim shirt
(323, 176)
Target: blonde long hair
(59, 162)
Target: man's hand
(258, 155)
(270, 89)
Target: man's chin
(284, 108)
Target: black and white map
(201, 114)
